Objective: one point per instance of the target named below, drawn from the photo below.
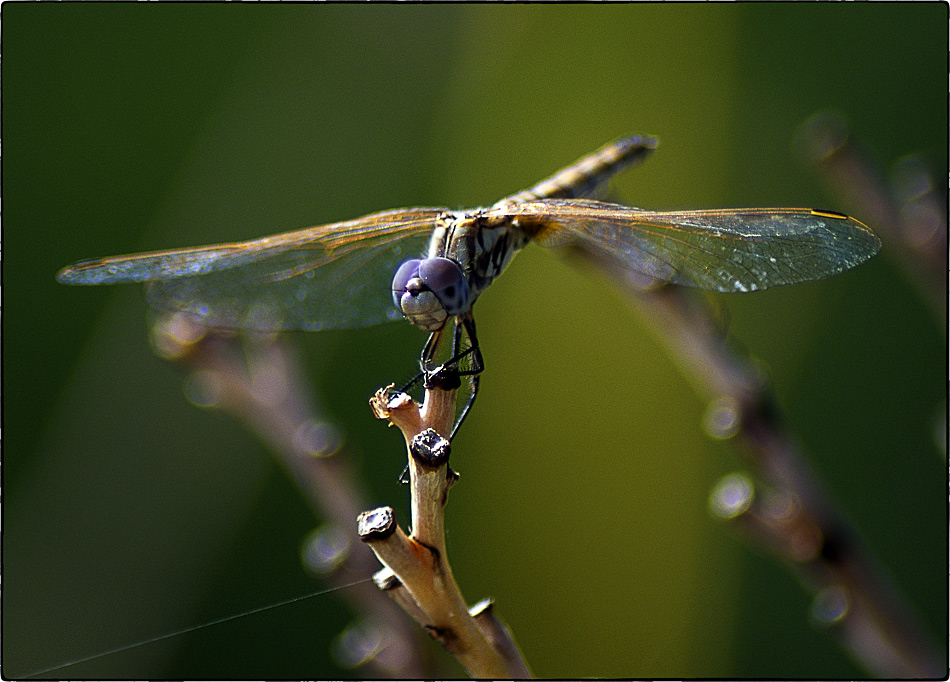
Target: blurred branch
(906, 212)
(798, 521)
(256, 379)
(417, 573)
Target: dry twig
(417, 573)
(795, 520)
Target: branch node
(376, 524)
(445, 636)
(430, 449)
(386, 580)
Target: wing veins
(680, 246)
(335, 240)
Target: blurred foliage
(130, 513)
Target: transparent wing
(719, 250)
(328, 277)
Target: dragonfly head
(430, 291)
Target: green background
(129, 512)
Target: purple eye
(430, 291)
(406, 272)
(445, 279)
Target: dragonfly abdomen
(584, 177)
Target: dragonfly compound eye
(445, 279)
(430, 291)
(407, 271)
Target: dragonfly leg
(445, 375)
(467, 323)
(425, 361)
(448, 375)
(431, 348)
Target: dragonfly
(335, 276)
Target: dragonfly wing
(329, 277)
(719, 250)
